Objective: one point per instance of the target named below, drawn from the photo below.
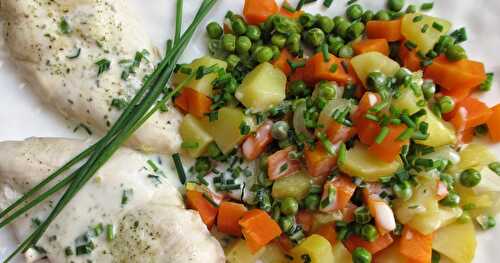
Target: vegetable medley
(344, 139)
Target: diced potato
(193, 131)
(440, 132)
(390, 255)
(226, 129)
(368, 62)
(475, 155)
(325, 218)
(296, 185)
(238, 252)
(316, 247)
(413, 30)
(341, 254)
(485, 196)
(203, 85)
(456, 241)
(325, 117)
(273, 254)
(361, 163)
(263, 88)
(490, 182)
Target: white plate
(23, 115)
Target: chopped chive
(244, 128)
(407, 120)
(190, 145)
(153, 166)
(64, 26)
(342, 153)
(486, 85)
(288, 7)
(418, 114)
(410, 44)
(395, 121)
(179, 168)
(334, 68)
(460, 35)
(381, 136)
(418, 18)
(296, 64)
(424, 162)
(110, 232)
(406, 134)
(103, 65)
(329, 147)
(424, 28)
(437, 26)
(427, 6)
(327, 3)
(423, 127)
(98, 229)
(330, 198)
(379, 106)
(324, 50)
(371, 117)
(126, 195)
(76, 55)
(419, 136)
(425, 63)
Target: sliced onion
(299, 122)
(325, 117)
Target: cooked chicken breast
(128, 193)
(63, 48)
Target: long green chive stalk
(138, 111)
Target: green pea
(311, 202)
(297, 88)
(289, 206)
(279, 40)
(355, 30)
(307, 20)
(402, 75)
(327, 90)
(470, 177)
(320, 103)
(451, 200)
(464, 218)
(367, 16)
(411, 9)
(436, 257)
(486, 222)
(293, 43)
(376, 80)
(334, 44)
(456, 53)
(287, 223)
(354, 12)
(495, 167)
(268, 25)
(369, 232)
(361, 255)
(239, 26)
(214, 30)
(428, 88)
(285, 25)
(362, 215)
(341, 29)
(443, 44)
(279, 130)
(403, 190)
(346, 51)
(264, 54)
(314, 37)
(276, 51)
(213, 151)
(395, 5)
(446, 104)
(229, 42)
(339, 19)
(243, 44)
(382, 15)
(326, 24)
(232, 61)
(202, 165)
(448, 180)
(253, 32)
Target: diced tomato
(255, 145)
(280, 164)
(344, 189)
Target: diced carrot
(466, 136)
(319, 162)
(196, 201)
(229, 215)
(328, 232)
(470, 113)
(317, 69)
(285, 243)
(257, 11)
(282, 62)
(415, 246)
(462, 74)
(379, 44)
(305, 219)
(409, 58)
(367, 129)
(389, 30)
(254, 145)
(258, 229)
(348, 212)
(337, 132)
(344, 191)
(193, 102)
(354, 77)
(458, 95)
(298, 74)
(494, 124)
(379, 209)
(388, 150)
(441, 190)
(279, 164)
(292, 15)
(354, 241)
